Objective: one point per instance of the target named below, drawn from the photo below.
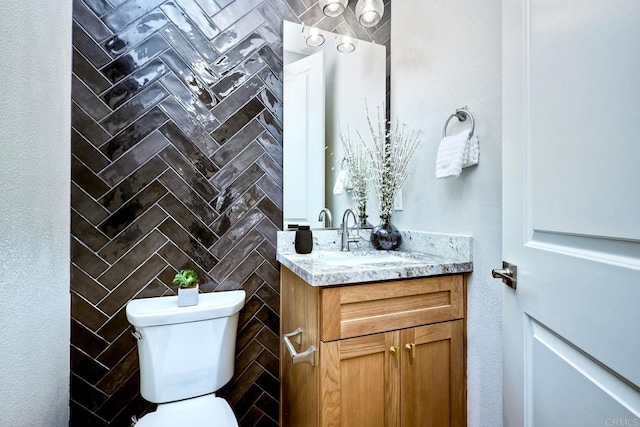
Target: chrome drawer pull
(307, 356)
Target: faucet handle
(350, 236)
(355, 238)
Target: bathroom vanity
(374, 338)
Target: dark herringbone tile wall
(177, 162)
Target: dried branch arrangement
(390, 153)
(359, 163)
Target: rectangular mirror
(324, 92)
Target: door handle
(508, 273)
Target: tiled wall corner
(177, 162)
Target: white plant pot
(188, 296)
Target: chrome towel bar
(461, 114)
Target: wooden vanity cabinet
(386, 353)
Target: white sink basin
(354, 258)
(347, 260)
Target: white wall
(447, 54)
(35, 70)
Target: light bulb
(369, 12)
(313, 37)
(315, 40)
(369, 18)
(333, 8)
(345, 44)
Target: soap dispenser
(304, 240)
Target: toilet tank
(185, 352)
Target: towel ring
(461, 114)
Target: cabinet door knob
(411, 348)
(394, 351)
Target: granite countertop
(420, 255)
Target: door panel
(571, 212)
(575, 381)
(583, 114)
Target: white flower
(390, 153)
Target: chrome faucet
(325, 214)
(345, 229)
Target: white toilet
(186, 354)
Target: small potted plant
(187, 281)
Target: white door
(303, 153)
(571, 212)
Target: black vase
(385, 236)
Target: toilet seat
(201, 411)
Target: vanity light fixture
(333, 8)
(345, 44)
(312, 36)
(369, 12)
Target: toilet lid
(198, 412)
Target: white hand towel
(471, 152)
(341, 178)
(456, 152)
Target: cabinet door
(359, 380)
(433, 384)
